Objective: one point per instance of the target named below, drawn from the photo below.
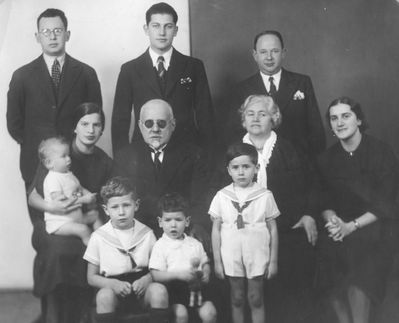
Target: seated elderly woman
(358, 178)
(282, 171)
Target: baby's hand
(121, 288)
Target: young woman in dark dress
(59, 269)
(358, 185)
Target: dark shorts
(179, 293)
(130, 304)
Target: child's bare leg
(106, 301)
(207, 312)
(75, 229)
(180, 313)
(237, 294)
(255, 299)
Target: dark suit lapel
(258, 85)
(173, 158)
(70, 73)
(43, 78)
(286, 89)
(176, 69)
(146, 72)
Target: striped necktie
(273, 89)
(56, 73)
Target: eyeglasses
(56, 31)
(149, 123)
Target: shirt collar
(276, 79)
(50, 60)
(154, 57)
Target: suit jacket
(184, 170)
(35, 111)
(301, 123)
(187, 91)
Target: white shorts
(245, 252)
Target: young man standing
(161, 72)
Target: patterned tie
(240, 221)
(56, 73)
(161, 72)
(273, 89)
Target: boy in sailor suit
(118, 254)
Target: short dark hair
(161, 8)
(86, 108)
(47, 145)
(354, 106)
(269, 32)
(51, 13)
(172, 202)
(117, 186)
(241, 149)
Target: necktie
(240, 221)
(161, 72)
(56, 73)
(157, 162)
(273, 89)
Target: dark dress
(352, 185)
(59, 259)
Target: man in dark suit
(42, 98)
(293, 92)
(163, 73)
(43, 94)
(159, 164)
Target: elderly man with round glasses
(161, 164)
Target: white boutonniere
(299, 95)
(186, 80)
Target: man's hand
(309, 225)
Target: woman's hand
(63, 206)
(309, 225)
(339, 229)
(121, 288)
(140, 285)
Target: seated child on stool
(61, 185)
(180, 262)
(118, 254)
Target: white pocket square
(299, 95)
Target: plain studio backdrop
(104, 34)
